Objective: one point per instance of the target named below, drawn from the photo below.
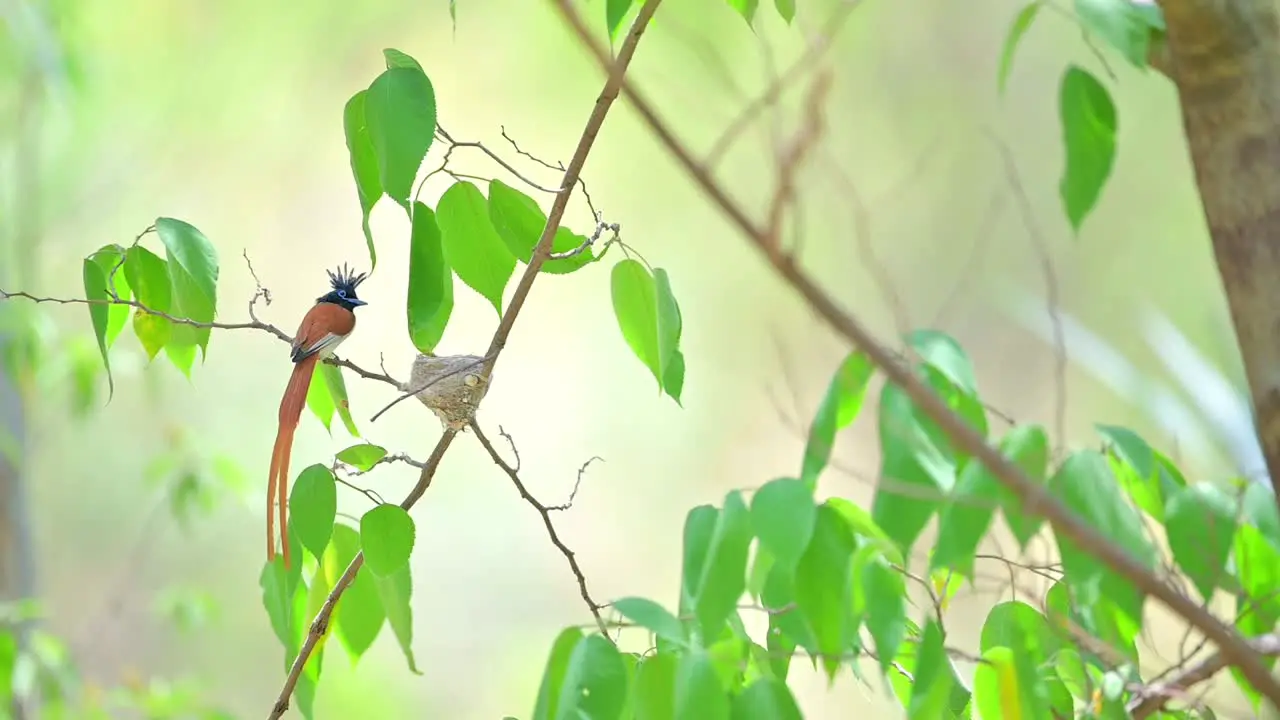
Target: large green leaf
(148, 276)
(360, 615)
(654, 692)
(430, 297)
(716, 563)
(364, 164)
(554, 672)
(1089, 137)
(1201, 523)
(934, 678)
(313, 506)
(363, 456)
(916, 468)
(193, 274)
(783, 515)
(699, 694)
(386, 536)
(822, 587)
(595, 681)
(400, 114)
(102, 313)
(651, 616)
(472, 246)
(840, 406)
(396, 591)
(885, 598)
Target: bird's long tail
(295, 397)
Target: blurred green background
(229, 115)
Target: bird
(325, 326)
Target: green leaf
(722, 565)
(1260, 510)
(916, 469)
(430, 297)
(635, 305)
(886, 613)
(615, 12)
(554, 673)
(654, 694)
(595, 682)
(822, 587)
(396, 591)
(977, 493)
(1086, 485)
(670, 325)
(1120, 24)
(996, 688)
(472, 246)
(673, 379)
(386, 536)
(400, 114)
(320, 399)
(1089, 138)
(193, 274)
(766, 699)
(1145, 475)
(327, 394)
(313, 506)
(745, 8)
(783, 515)
(839, 408)
(1021, 23)
(699, 695)
(364, 164)
(519, 221)
(360, 615)
(935, 681)
(148, 276)
(95, 291)
(651, 616)
(363, 457)
(565, 241)
(1011, 623)
(1201, 522)
(950, 372)
(786, 9)
(396, 59)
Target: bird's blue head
(344, 283)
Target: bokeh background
(229, 115)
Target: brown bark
(1224, 57)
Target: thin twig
(607, 95)
(1033, 495)
(545, 511)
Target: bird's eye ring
(342, 293)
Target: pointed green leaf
(430, 297)
(1089, 137)
(916, 468)
(595, 682)
(396, 58)
(320, 399)
(655, 687)
(935, 681)
(95, 291)
(364, 164)
(996, 689)
(1201, 523)
(673, 380)
(786, 9)
(554, 674)
(313, 506)
(615, 12)
(745, 8)
(651, 616)
(472, 246)
(670, 326)
(635, 305)
(360, 615)
(363, 456)
(822, 588)
(396, 591)
(699, 694)
(193, 274)
(519, 221)
(332, 376)
(766, 699)
(1021, 23)
(400, 114)
(148, 276)
(783, 516)
(724, 566)
(885, 593)
(839, 408)
(386, 536)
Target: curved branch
(1234, 648)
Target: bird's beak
(357, 302)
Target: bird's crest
(344, 278)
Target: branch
(1234, 648)
(616, 73)
(1153, 698)
(545, 511)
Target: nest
(453, 386)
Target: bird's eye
(342, 293)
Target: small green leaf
(1201, 522)
(520, 222)
(595, 682)
(1120, 25)
(565, 241)
(786, 9)
(148, 276)
(386, 536)
(673, 380)
(363, 457)
(327, 394)
(670, 325)
(396, 59)
(783, 515)
(840, 407)
(553, 675)
(396, 591)
(651, 616)
(430, 297)
(313, 505)
(724, 566)
(95, 291)
(766, 699)
(1021, 23)
(193, 274)
(821, 587)
(655, 687)
(472, 246)
(886, 613)
(1013, 622)
(745, 8)
(615, 13)
(916, 468)
(1089, 138)
(400, 114)
(1141, 470)
(360, 615)
(635, 305)
(699, 694)
(320, 399)
(364, 164)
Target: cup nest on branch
(454, 397)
